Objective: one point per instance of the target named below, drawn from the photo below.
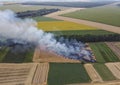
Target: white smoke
(12, 27)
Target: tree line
(92, 38)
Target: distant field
(20, 8)
(41, 18)
(61, 74)
(71, 4)
(62, 26)
(106, 14)
(104, 72)
(103, 53)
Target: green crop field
(3, 52)
(65, 73)
(41, 18)
(104, 72)
(81, 32)
(15, 56)
(103, 53)
(105, 14)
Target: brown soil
(41, 74)
(41, 55)
(15, 74)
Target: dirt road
(79, 21)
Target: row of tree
(92, 38)
(35, 13)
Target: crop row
(103, 53)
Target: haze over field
(26, 30)
(61, 0)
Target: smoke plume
(12, 27)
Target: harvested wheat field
(95, 77)
(115, 46)
(40, 55)
(114, 68)
(41, 74)
(16, 74)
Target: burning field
(23, 31)
(55, 60)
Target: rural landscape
(60, 43)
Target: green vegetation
(104, 72)
(103, 53)
(65, 73)
(88, 35)
(29, 56)
(105, 14)
(82, 32)
(18, 56)
(41, 18)
(3, 52)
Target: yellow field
(63, 25)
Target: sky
(59, 0)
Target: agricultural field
(114, 68)
(16, 74)
(62, 26)
(18, 57)
(21, 8)
(95, 77)
(41, 74)
(36, 66)
(104, 14)
(103, 53)
(11, 55)
(104, 72)
(41, 55)
(3, 52)
(61, 74)
(82, 32)
(115, 47)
